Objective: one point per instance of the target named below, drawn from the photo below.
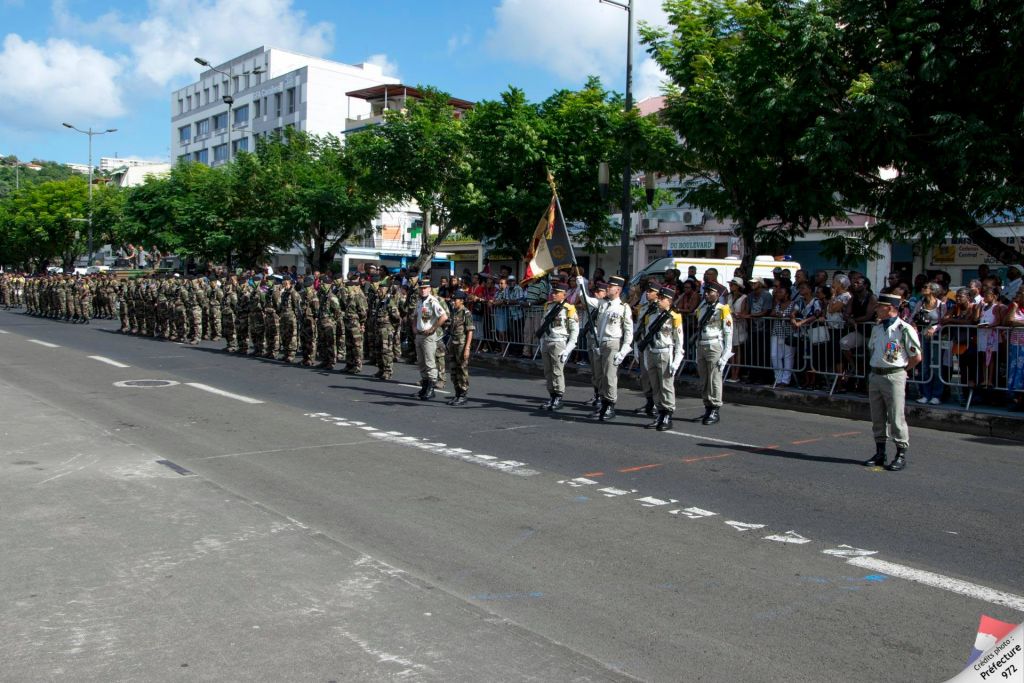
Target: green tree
(749, 81)
(421, 155)
(934, 91)
(317, 193)
(46, 221)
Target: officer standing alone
(714, 349)
(894, 349)
(430, 316)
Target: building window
(234, 82)
(220, 121)
(203, 127)
(291, 100)
(206, 95)
(256, 108)
(216, 92)
(241, 145)
(201, 156)
(242, 115)
(188, 100)
(182, 158)
(277, 104)
(220, 153)
(181, 106)
(184, 133)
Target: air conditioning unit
(650, 224)
(693, 217)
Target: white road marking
(417, 386)
(971, 590)
(651, 501)
(788, 537)
(849, 551)
(693, 513)
(612, 492)
(708, 438)
(4, 332)
(577, 482)
(108, 361)
(221, 392)
(46, 344)
(744, 526)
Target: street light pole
(228, 98)
(627, 171)
(90, 133)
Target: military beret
(353, 275)
(459, 294)
(308, 281)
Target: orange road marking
(846, 434)
(802, 441)
(641, 467)
(707, 457)
(593, 474)
(767, 448)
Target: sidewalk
(981, 421)
(119, 567)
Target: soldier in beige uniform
(645, 312)
(614, 331)
(430, 316)
(558, 332)
(661, 344)
(894, 349)
(714, 349)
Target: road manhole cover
(145, 383)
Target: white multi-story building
(272, 89)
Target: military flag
(550, 248)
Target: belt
(886, 371)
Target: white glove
(676, 362)
(723, 361)
(564, 356)
(619, 357)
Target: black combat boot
(666, 423)
(598, 409)
(423, 390)
(878, 459)
(594, 402)
(429, 391)
(556, 401)
(657, 421)
(460, 399)
(548, 403)
(711, 418)
(647, 409)
(900, 462)
(609, 412)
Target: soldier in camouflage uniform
(228, 306)
(330, 311)
(181, 302)
(442, 346)
(84, 301)
(215, 302)
(197, 303)
(355, 323)
(408, 333)
(288, 305)
(257, 325)
(164, 309)
(271, 321)
(387, 319)
(70, 300)
(245, 292)
(460, 343)
(151, 305)
(309, 320)
(122, 306)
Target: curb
(851, 407)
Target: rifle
(653, 330)
(548, 320)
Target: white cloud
(575, 39)
(458, 41)
(56, 81)
(164, 42)
(389, 67)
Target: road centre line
(971, 590)
(803, 441)
(4, 332)
(109, 361)
(46, 344)
(639, 467)
(707, 457)
(417, 386)
(289, 449)
(221, 392)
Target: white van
(764, 267)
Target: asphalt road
(620, 551)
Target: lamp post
(90, 133)
(227, 98)
(627, 172)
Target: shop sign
(695, 243)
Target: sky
(114, 63)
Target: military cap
(353, 275)
(559, 287)
(307, 281)
(889, 300)
(459, 294)
(601, 286)
(424, 283)
(653, 286)
(667, 292)
(616, 281)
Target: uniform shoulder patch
(677, 319)
(725, 311)
(570, 310)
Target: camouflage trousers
(460, 369)
(308, 340)
(180, 324)
(242, 332)
(195, 321)
(384, 350)
(439, 361)
(215, 327)
(257, 332)
(328, 342)
(227, 320)
(122, 314)
(353, 346)
(289, 344)
(271, 334)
